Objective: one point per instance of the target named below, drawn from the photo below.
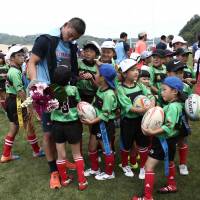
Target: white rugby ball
(153, 118)
(86, 110)
(192, 107)
(141, 101)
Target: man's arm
(32, 71)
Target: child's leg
(79, 166)
(183, 154)
(61, 164)
(9, 140)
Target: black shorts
(11, 109)
(70, 132)
(157, 151)
(131, 131)
(110, 127)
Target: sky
(104, 18)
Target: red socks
(143, 152)
(93, 156)
(80, 169)
(124, 158)
(149, 184)
(33, 141)
(172, 173)
(61, 166)
(109, 164)
(9, 140)
(183, 152)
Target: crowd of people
(109, 76)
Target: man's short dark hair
(163, 37)
(78, 24)
(171, 37)
(123, 35)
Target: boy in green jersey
(105, 104)
(15, 90)
(176, 68)
(164, 138)
(66, 127)
(86, 84)
(131, 117)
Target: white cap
(145, 68)
(127, 64)
(95, 44)
(135, 56)
(14, 49)
(146, 54)
(178, 39)
(108, 45)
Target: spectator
(162, 44)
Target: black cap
(174, 65)
(159, 52)
(169, 53)
(182, 51)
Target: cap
(182, 51)
(109, 73)
(144, 73)
(108, 45)
(159, 52)
(178, 39)
(142, 34)
(15, 49)
(127, 64)
(135, 56)
(174, 82)
(174, 65)
(93, 45)
(169, 53)
(146, 54)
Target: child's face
(178, 74)
(148, 60)
(69, 33)
(185, 58)
(107, 55)
(168, 58)
(168, 94)
(17, 59)
(145, 81)
(157, 61)
(89, 54)
(132, 74)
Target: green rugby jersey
(172, 120)
(187, 90)
(126, 96)
(86, 86)
(188, 72)
(157, 75)
(3, 70)
(14, 81)
(105, 104)
(67, 111)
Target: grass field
(28, 178)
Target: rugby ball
(192, 107)
(141, 101)
(86, 111)
(153, 118)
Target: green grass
(28, 178)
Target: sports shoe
(54, 180)
(67, 181)
(167, 189)
(70, 165)
(183, 170)
(5, 159)
(127, 171)
(141, 198)
(90, 172)
(142, 173)
(103, 176)
(83, 186)
(39, 154)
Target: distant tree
(190, 30)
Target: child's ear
(175, 92)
